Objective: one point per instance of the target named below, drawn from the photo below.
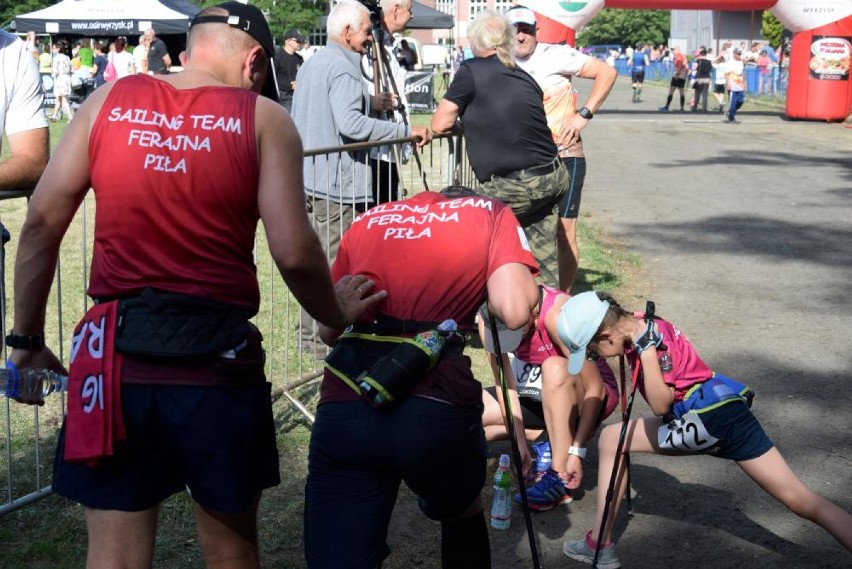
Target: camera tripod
(382, 77)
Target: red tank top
(175, 177)
(538, 345)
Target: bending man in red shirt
(437, 256)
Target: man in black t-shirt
(509, 144)
(287, 63)
(159, 61)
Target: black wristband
(585, 113)
(31, 342)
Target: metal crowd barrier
(28, 434)
(771, 82)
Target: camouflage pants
(535, 202)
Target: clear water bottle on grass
(501, 505)
(31, 383)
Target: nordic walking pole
(625, 420)
(623, 384)
(513, 442)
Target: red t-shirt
(175, 176)
(434, 256)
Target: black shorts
(678, 82)
(531, 410)
(357, 458)
(569, 205)
(219, 442)
(720, 88)
(638, 77)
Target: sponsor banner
(830, 56)
(420, 91)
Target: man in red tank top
(183, 167)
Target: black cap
(249, 19)
(294, 34)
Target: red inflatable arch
(819, 84)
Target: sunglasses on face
(525, 29)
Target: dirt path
(745, 235)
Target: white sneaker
(580, 551)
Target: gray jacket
(331, 107)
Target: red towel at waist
(94, 422)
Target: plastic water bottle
(434, 340)
(501, 505)
(31, 383)
(399, 370)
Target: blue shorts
(219, 442)
(739, 434)
(358, 457)
(569, 205)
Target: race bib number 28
(687, 434)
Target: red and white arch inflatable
(819, 86)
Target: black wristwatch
(31, 342)
(585, 113)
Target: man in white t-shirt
(21, 115)
(553, 67)
(735, 75)
(140, 55)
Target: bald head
(218, 39)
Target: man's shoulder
(330, 61)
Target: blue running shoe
(547, 493)
(543, 458)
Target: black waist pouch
(173, 325)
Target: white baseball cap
(578, 322)
(521, 15)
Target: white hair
(492, 30)
(345, 14)
(389, 4)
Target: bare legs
(567, 252)
(126, 539)
(770, 471)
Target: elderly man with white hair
(331, 108)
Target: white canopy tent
(109, 17)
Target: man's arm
(445, 117)
(293, 243)
(604, 78)
(512, 294)
(30, 150)
(26, 127)
(346, 100)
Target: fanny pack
(174, 325)
(713, 393)
(381, 369)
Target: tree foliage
(771, 29)
(282, 15)
(9, 9)
(626, 27)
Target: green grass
(51, 532)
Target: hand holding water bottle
(41, 359)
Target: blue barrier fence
(772, 82)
